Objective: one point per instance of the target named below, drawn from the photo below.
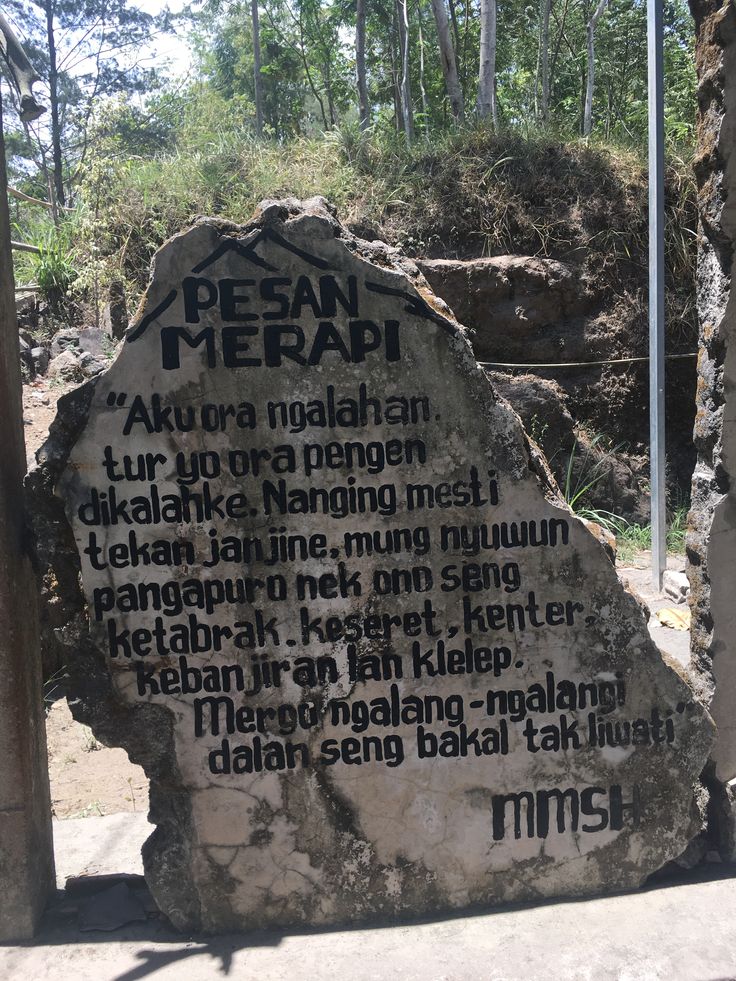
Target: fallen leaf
(677, 618)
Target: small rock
(92, 340)
(40, 359)
(91, 365)
(66, 367)
(64, 340)
(27, 337)
(40, 398)
(675, 585)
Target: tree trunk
(406, 109)
(422, 87)
(363, 104)
(257, 80)
(557, 45)
(395, 75)
(453, 18)
(447, 57)
(544, 60)
(592, 24)
(487, 71)
(54, 100)
(328, 91)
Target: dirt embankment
(555, 238)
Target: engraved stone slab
(370, 660)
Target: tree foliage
(84, 51)
(281, 69)
(541, 74)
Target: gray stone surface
(66, 367)
(621, 938)
(712, 536)
(395, 783)
(64, 340)
(91, 847)
(676, 585)
(40, 359)
(617, 938)
(92, 339)
(91, 364)
(674, 643)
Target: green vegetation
(635, 538)
(388, 110)
(284, 70)
(470, 192)
(588, 464)
(385, 108)
(53, 268)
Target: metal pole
(656, 289)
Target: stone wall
(712, 531)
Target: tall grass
(465, 192)
(634, 538)
(54, 268)
(587, 465)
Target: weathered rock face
(534, 310)
(615, 479)
(371, 663)
(517, 304)
(711, 539)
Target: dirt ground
(86, 777)
(39, 408)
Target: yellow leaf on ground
(676, 617)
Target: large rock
(94, 341)
(65, 340)
(594, 473)
(91, 365)
(40, 357)
(543, 407)
(65, 367)
(371, 663)
(515, 304)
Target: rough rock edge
(145, 731)
(715, 32)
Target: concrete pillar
(26, 844)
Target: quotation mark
(119, 399)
